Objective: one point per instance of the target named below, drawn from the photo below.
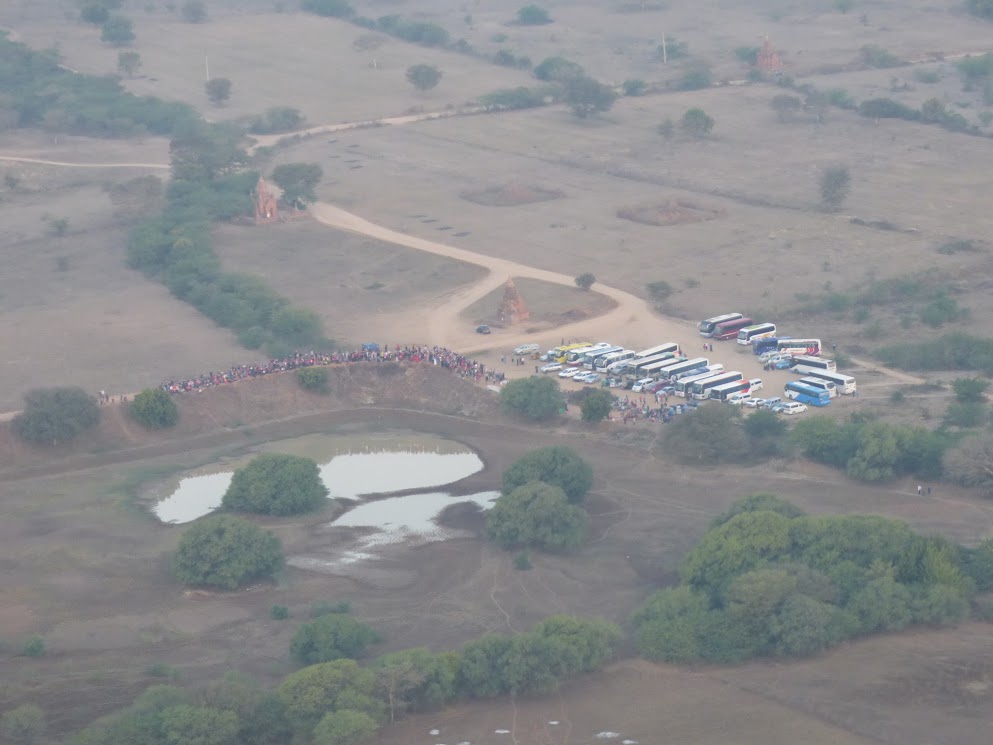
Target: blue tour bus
(767, 344)
(806, 394)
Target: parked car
(738, 399)
(640, 385)
(755, 403)
(770, 402)
(793, 407)
(526, 349)
(783, 364)
(591, 378)
(570, 372)
(582, 375)
(550, 367)
(755, 384)
(483, 329)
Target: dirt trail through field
(39, 161)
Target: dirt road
(39, 161)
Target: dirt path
(39, 161)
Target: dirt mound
(671, 212)
(511, 195)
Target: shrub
(34, 647)
(661, 290)
(327, 608)
(558, 465)
(522, 561)
(153, 408)
(54, 415)
(876, 56)
(961, 414)
(694, 79)
(514, 98)
(276, 484)
(329, 8)
(117, 30)
(23, 725)
(970, 389)
(696, 123)
(585, 281)
(634, 87)
(94, 13)
(332, 637)
(313, 379)
(538, 399)
(279, 613)
(226, 552)
(194, 11)
(710, 434)
(532, 15)
(536, 514)
(596, 406)
(557, 69)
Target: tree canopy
(696, 123)
(534, 398)
(537, 514)
(117, 30)
(835, 183)
(54, 415)
(557, 465)
(586, 96)
(227, 552)
(597, 406)
(533, 15)
(298, 182)
(423, 77)
(276, 484)
(218, 90)
(153, 408)
(332, 637)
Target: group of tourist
(438, 356)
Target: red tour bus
(730, 329)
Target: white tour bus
(821, 384)
(758, 331)
(661, 369)
(844, 384)
(701, 389)
(614, 362)
(697, 363)
(721, 392)
(575, 356)
(698, 371)
(591, 357)
(669, 346)
(804, 364)
(707, 327)
(635, 365)
(685, 384)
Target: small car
(793, 407)
(570, 372)
(783, 364)
(581, 376)
(591, 378)
(738, 399)
(640, 385)
(755, 403)
(550, 367)
(527, 349)
(483, 329)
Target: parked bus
(804, 364)
(708, 370)
(614, 361)
(806, 347)
(697, 363)
(721, 392)
(575, 356)
(767, 343)
(708, 327)
(730, 329)
(844, 384)
(590, 357)
(701, 389)
(806, 394)
(669, 346)
(561, 354)
(686, 384)
(635, 365)
(756, 331)
(824, 385)
(659, 369)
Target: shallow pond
(381, 467)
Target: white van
(526, 349)
(755, 385)
(738, 399)
(642, 384)
(793, 407)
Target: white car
(581, 376)
(755, 384)
(570, 372)
(738, 399)
(755, 403)
(642, 384)
(550, 367)
(592, 378)
(793, 407)
(526, 349)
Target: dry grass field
(87, 567)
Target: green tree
(539, 399)
(970, 463)
(153, 408)
(883, 605)
(537, 514)
(557, 465)
(634, 87)
(277, 119)
(758, 503)
(585, 281)
(218, 90)
(117, 30)
(696, 123)
(276, 484)
(558, 70)
(34, 647)
(194, 11)
(711, 434)
(23, 725)
(227, 552)
(198, 725)
(533, 15)
(416, 679)
(344, 727)
(764, 423)
(821, 438)
(588, 644)
(423, 77)
(803, 626)
(95, 13)
(667, 129)
(481, 670)
(310, 693)
(54, 415)
(298, 182)
(332, 637)
(667, 626)
(586, 96)
(597, 406)
(128, 63)
(786, 106)
(877, 455)
(970, 390)
(314, 379)
(329, 8)
(835, 183)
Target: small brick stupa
(512, 308)
(767, 59)
(266, 209)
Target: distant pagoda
(512, 308)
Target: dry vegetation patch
(511, 195)
(670, 212)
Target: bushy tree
(696, 123)
(835, 183)
(277, 119)
(344, 727)
(758, 503)
(982, 8)
(557, 465)
(533, 15)
(194, 11)
(276, 484)
(558, 70)
(117, 30)
(423, 77)
(153, 408)
(481, 668)
(23, 725)
(786, 106)
(539, 399)
(332, 637)
(198, 725)
(803, 626)
(587, 644)
(537, 514)
(596, 406)
(970, 390)
(669, 623)
(314, 379)
(416, 679)
(128, 63)
(218, 90)
(310, 693)
(711, 434)
(329, 8)
(970, 463)
(95, 13)
(586, 96)
(227, 552)
(585, 280)
(298, 182)
(54, 415)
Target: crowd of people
(437, 356)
